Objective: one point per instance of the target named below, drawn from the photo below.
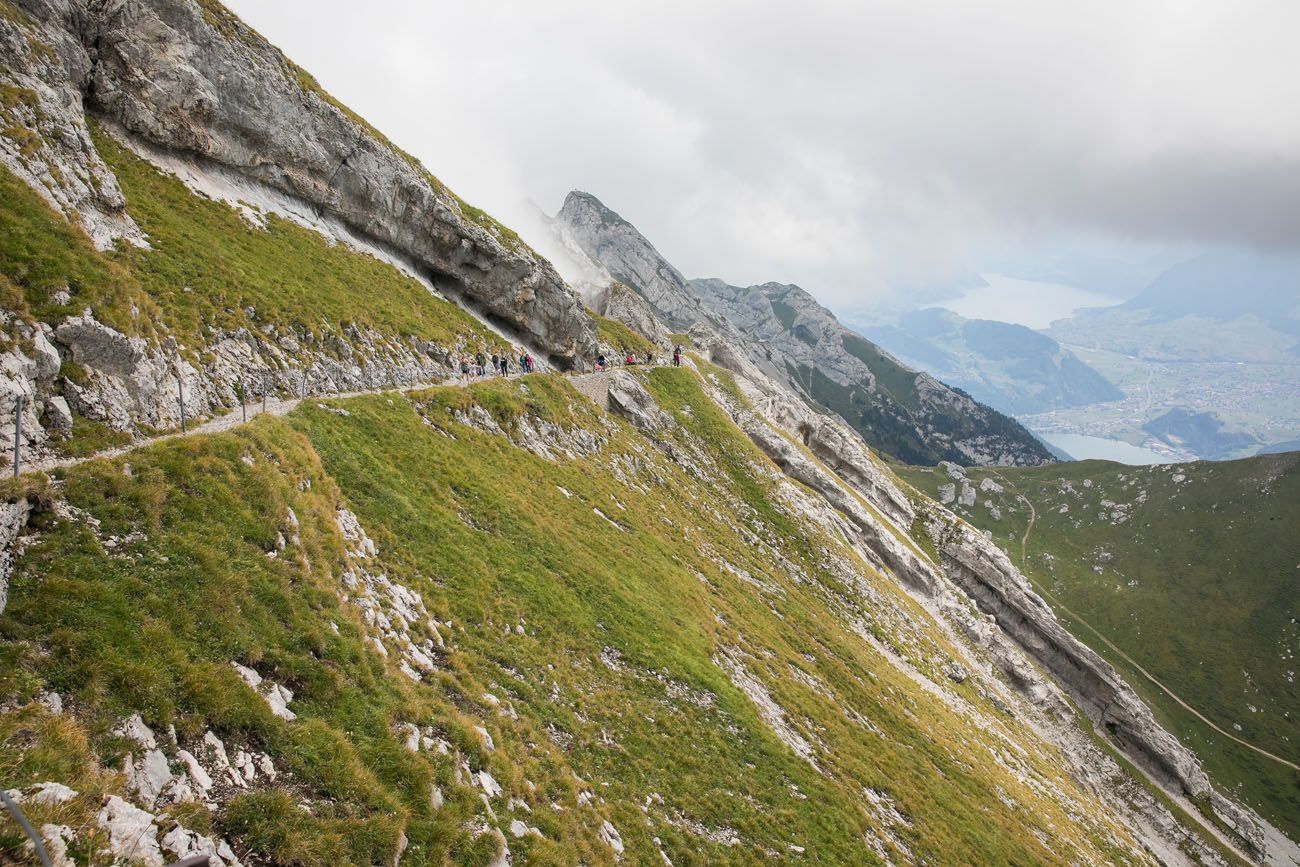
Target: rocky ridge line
(223, 94)
(931, 422)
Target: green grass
(1197, 585)
(785, 313)
(619, 336)
(482, 530)
(205, 267)
(891, 377)
(207, 264)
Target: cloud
(845, 146)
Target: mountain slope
(641, 615)
(574, 654)
(911, 416)
(1183, 569)
(236, 107)
(1011, 368)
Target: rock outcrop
(618, 302)
(631, 259)
(782, 331)
(220, 93)
(628, 398)
(908, 414)
(13, 517)
(1011, 624)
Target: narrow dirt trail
(273, 406)
(594, 385)
(1060, 606)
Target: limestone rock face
(13, 517)
(998, 589)
(197, 82)
(630, 259)
(628, 398)
(56, 156)
(617, 301)
(784, 333)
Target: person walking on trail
(529, 362)
(523, 363)
(464, 367)
(496, 363)
(649, 358)
(480, 361)
(600, 361)
(677, 355)
(505, 365)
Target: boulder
(628, 398)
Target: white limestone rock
(132, 832)
(277, 696)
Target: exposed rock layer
(784, 332)
(220, 92)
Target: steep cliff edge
(221, 93)
(789, 336)
(102, 104)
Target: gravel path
(594, 385)
(274, 406)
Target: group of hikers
(630, 359)
(501, 364)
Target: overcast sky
(845, 146)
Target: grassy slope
(205, 266)
(1198, 585)
(482, 530)
(618, 335)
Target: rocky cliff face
(191, 88)
(1012, 625)
(788, 335)
(631, 259)
(908, 414)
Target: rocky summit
(320, 552)
(783, 331)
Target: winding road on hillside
(1059, 606)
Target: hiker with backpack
(677, 356)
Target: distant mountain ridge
(1216, 335)
(1010, 367)
(1226, 286)
(785, 332)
